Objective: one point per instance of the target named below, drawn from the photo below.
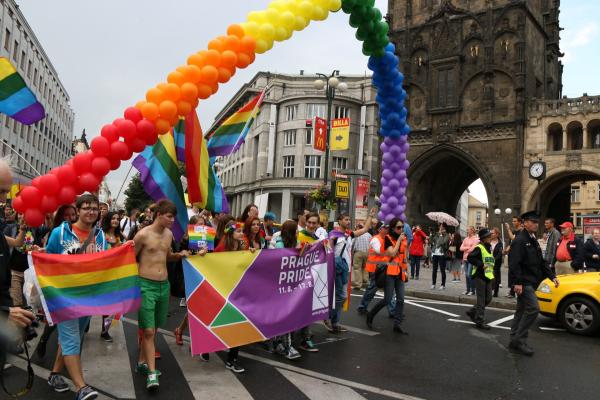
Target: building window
(309, 137)
(15, 55)
(598, 193)
(574, 194)
(291, 112)
(312, 167)
(445, 87)
(478, 218)
(29, 68)
(339, 163)
(7, 40)
(288, 166)
(341, 112)
(315, 110)
(23, 60)
(289, 137)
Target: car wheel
(580, 315)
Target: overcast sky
(109, 53)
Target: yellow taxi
(575, 303)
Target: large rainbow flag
(159, 173)
(236, 298)
(81, 285)
(16, 99)
(230, 135)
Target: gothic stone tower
(471, 66)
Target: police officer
(527, 269)
(482, 260)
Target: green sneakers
(142, 368)
(152, 380)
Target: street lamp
(507, 211)
(331, 84)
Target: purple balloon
(386, 191)
(404, 183)
(395, 150)
(387, 157)
(384, 147)
(401, 174)
(403, 217)
(395, 167)
(394, 184)
(402, 200)
(405, 164)
(401, 191)
(387, 174)
(385, 208)
(392, 202)
(398, 210)
(405, 147)
(403, 139)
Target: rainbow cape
(16, 99)
(305, 236)
(80, 285)
(230, 135)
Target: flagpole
(123, 184)
(258, 104)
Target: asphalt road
(443, 357)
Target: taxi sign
(342, 189)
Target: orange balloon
(244, 60)
(172, 92)
(232, 43)
(154, 95)
(216, 44)
(192, 73)
(236, 30)
(213, 58)
(189, 92)
(173, 121)
(176, 77)
(184, 108)
(204, 91)
(209, 74)
(248, 44)
(224, 75)
(162, 126)
(195, 104)
(228, 59)
(162, 86)
(214, 87)
(199, 60)
(167, 109)
(150, 111)
(140, 104)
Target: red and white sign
(320, 134)
(590, 222)
(361, 205)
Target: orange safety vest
(374, 258)
(398, 263)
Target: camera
(29, 332)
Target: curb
(461, 299)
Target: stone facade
(272, 159)
(471, 67)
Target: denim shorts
(70, 334)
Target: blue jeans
(415, 266)
(468, 278)
(393, 286)
(369, 295)
(341, 290)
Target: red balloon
(125, 128)
(83, 162)
(115, 164)
(66, 175)
(31, 197)
(49, 184)
(133, 114)
(136, 144)
(49, 204)
(110, 133)
(145, 130)
(89, 182)
(129, 154)
(37, 182)
(100, 166)
(152, 139)
(66, 195)
(18, 205)
(100, 146)
(119, 150)
(34, 217)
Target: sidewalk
(454, 291)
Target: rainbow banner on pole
(237, 298)
(16, 99)
(81, 285)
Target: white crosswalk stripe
(316, 389)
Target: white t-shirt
(375, 244)
(126, 224)
(321, 233)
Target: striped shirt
(361, 243)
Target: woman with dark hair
(251, 210)
(252, 234)
(457, 256)
(66, 212)
(223, 221)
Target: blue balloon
(394, 133)
(390, 47)
(405, 129)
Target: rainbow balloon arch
(200, 78)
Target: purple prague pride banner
(237, 298)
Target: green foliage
(136, 197)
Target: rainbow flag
(159, 173)
(179, 138)
(82, 285)
(305, 236)
(201, 236)
(204, 187)
(16, 99)
(230, 135)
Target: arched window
(575, 135)
(555, 137)
(593, 129)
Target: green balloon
(382, 28)
(379, 52)
(378, 15)
(348, 5)
(361, 34)
(367, 3)
(368, 26)
(355, 20)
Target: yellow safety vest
(488, 263)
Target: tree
(136, 196)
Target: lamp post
(331, 84)
(507, 211)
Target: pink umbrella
(442, 217)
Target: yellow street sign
(342, 189)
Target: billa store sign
(590, 222)
(340, 134)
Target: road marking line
(462, 321)
(316, 389)
(501, 320)
(544, 328)
(431, 309)
(332, 379)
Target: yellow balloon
(306, 9)
(251, 29)
(272, 17)
(279, 5)
(267, 32)
(288, 20)
(257, 16)
(263, 45)
(282, 34)
(335, 5)
(301, 22)
(319, 13)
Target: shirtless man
(153, 250)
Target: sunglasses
(399, 227)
